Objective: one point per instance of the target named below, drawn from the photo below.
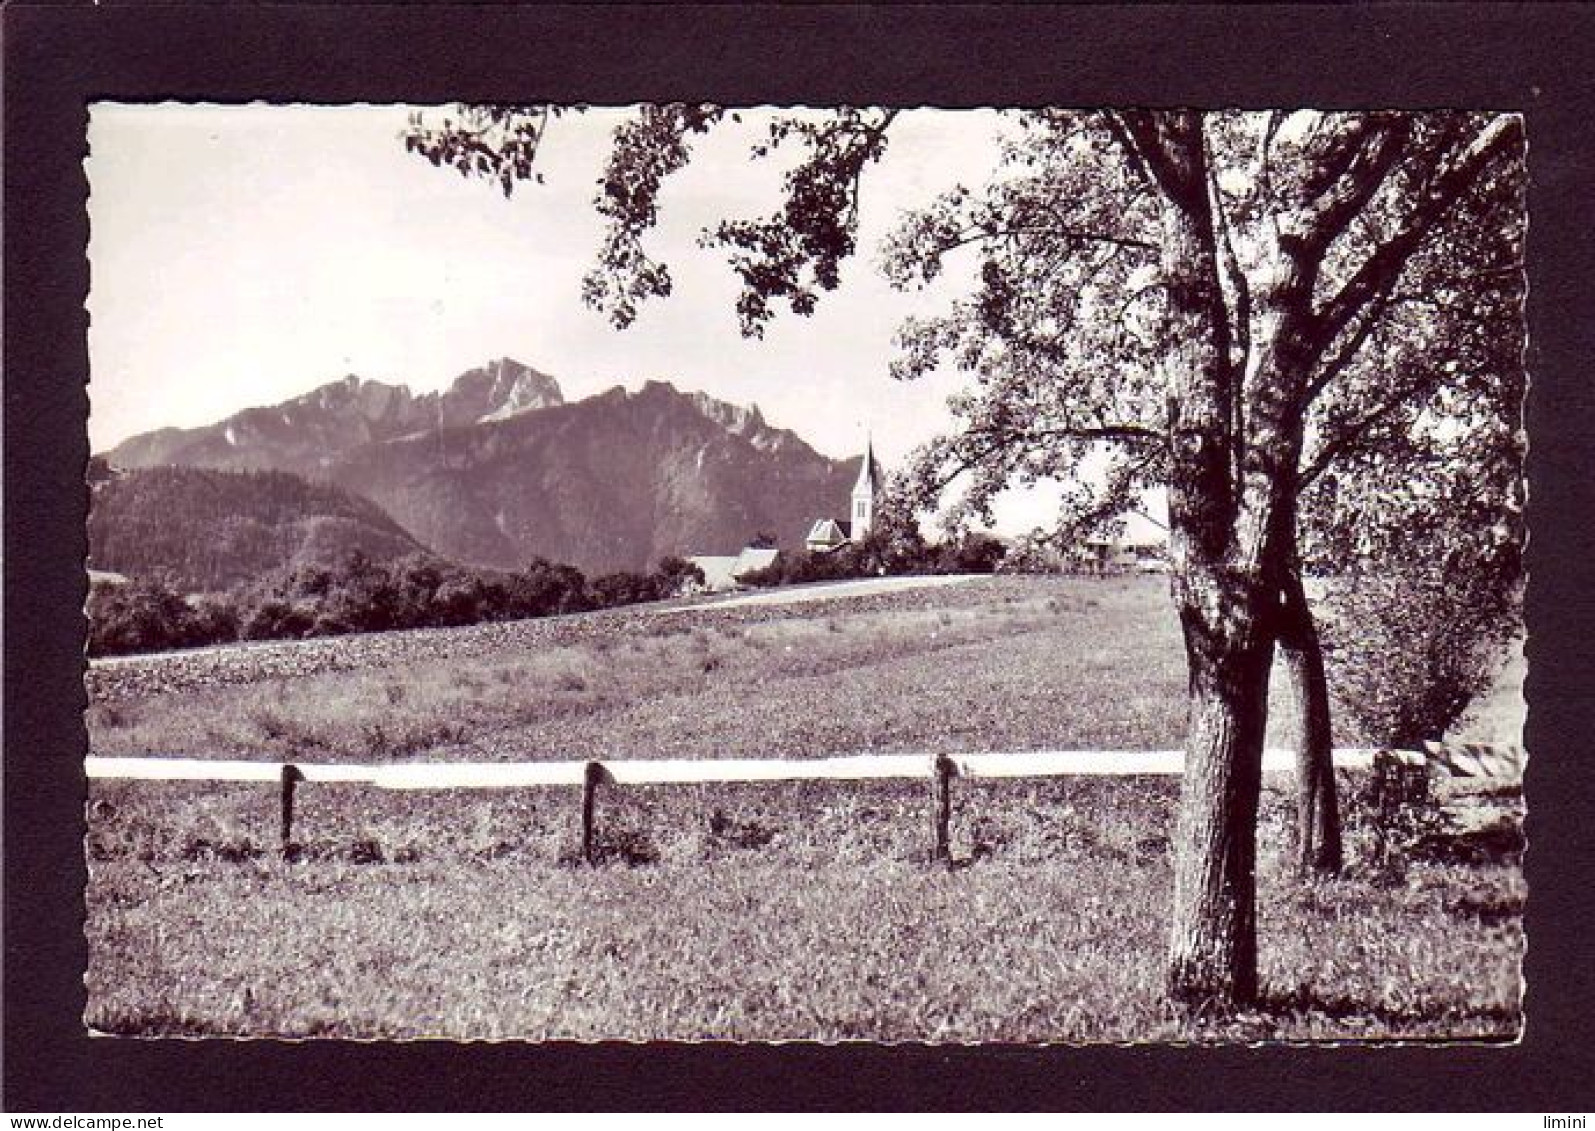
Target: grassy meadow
(747, 911)
(994, 664)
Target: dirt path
(831, 590)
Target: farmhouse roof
(719, 570)
(753, 558)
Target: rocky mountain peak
(744, 420)
(498, 390)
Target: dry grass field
(1001, 664)
(767, 911)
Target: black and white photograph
(687, 572)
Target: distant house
(830, 534)
(1114, 555)
(723, 571)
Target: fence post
(592, 777)
(291, 777)
(942, 771)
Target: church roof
(869, 472)
(826, 532)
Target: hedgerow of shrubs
(883, 553)
(147, 616)
(361, 595)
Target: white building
(722, 571)
(829, 534)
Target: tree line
(361, 595)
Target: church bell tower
(865, 494)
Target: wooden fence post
(292, 775)
(591, 779)
(942, 771)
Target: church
(723, 572)
(828, 534)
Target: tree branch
(980, 233)
(1352, 174)
(1386, 262)
(1345, 439)
(1141, 131)
(1132, 152)
(1134, 434)
(1240, 334)
(1349, 345)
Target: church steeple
(865, 492)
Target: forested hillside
(200, 529)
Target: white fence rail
(672, 771)
(938, 769)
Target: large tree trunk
(1224, 602)
(1213, 938)
(1236, 429)
(1285, 344)
(1318, 841)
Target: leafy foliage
(485, 140)
(149, 617)
(790, 256)
(1063, 329)
(1059, 328)
(1411, 645)
(1415, 516)
(677, 575)
(972, 553)
(647, 149)
(1396, 807)
(797, 252)
(882, 554)
(361, 595)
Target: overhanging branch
(1381, 268)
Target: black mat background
(60, 57)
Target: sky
(242, 255)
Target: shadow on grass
(158, 1022)
(1500, 842)
(728, 832)
(1305, 1003)
(1305, 1013)
(1489, 911)
(630, 847)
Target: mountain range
(305, 434)
(500, 468)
